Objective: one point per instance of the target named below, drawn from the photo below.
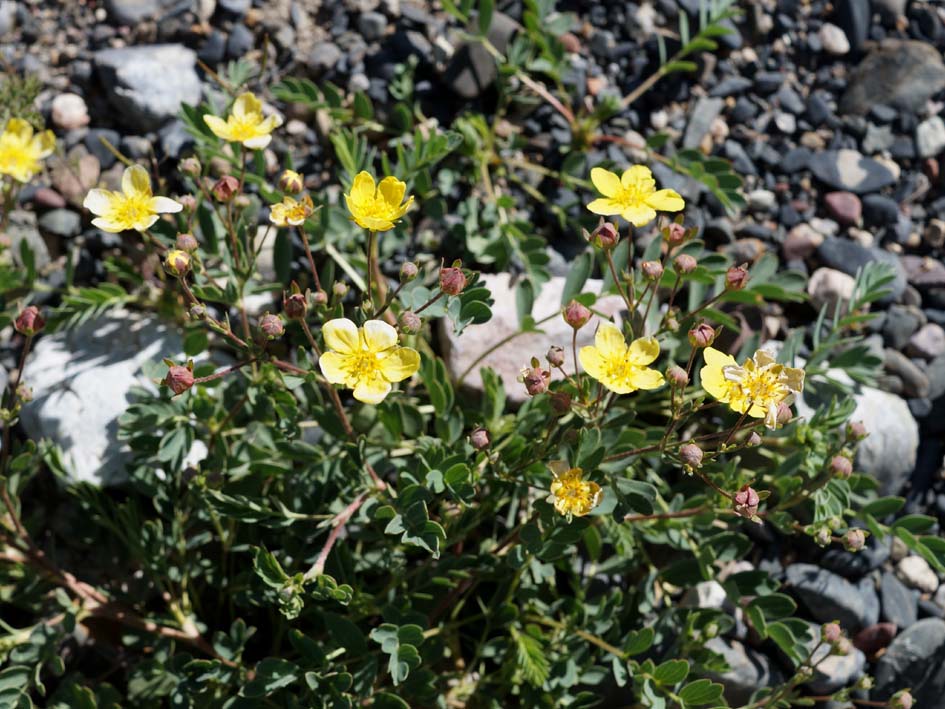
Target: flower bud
(198, 311)
(841, 467)
(190, 166)
(319, 298)
(856, 431)
(831, 633)
(901, 700)
(271, 326)
(691, 455)
(242, 201)
(652, 270)
(410, 322)
(480, 438)
(452, 280)
(684, 263)
(784, 413)
(576, 315)
(30, 321)
(179, 379)
(535, 379)
(605, 236)
(822, 536)
(186, 242)
(294, 305)
(555, 356)
(854, 540)
(560, 402)
(702, 335)
(677, 376)
(188, 202)
(408, 271)
(225, 188)
(24, 394)
(754, 439)
(746, 502)
(177, 263)
(291, 182)
(736, 278)
(339, 289)
(675, 234)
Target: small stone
(874, 638)
(834, 40)
(877, 139)
(850, 170)
(801, 242)
(924, 272)
(21, 231)
(845, 207)
(704, 112)
(930, 137)
(472, 69)
(68, 111)
(748, 670)
(880, 210)
(898, 602)
(854, 18)
(45, 197)
(761, 200)
(831, 597)
(61, 222)
(829, 287)
(914, 381)
(916, 572)
(914, 659)
(899, 73)
(323, 58)
(900, 323)
(372, 25)
(239, 42)
(935, 233)
(928, 342)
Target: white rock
(916, 572)
(761, 200)
(69, 111)
(930, 137)
(509, 359)
(81, 381)
(828, 286)
(705, 594)
(834, 39)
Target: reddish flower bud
(652, 270)
(677, 376)
(736, 278)
(841, 467)
(480, 438)
(452, 280)
(854, 540)
(555, 356)
(179, 379)
(339, 289)
(271, 326)
(188, 202)
(24, 394)
(30, 321)
(754, 439)
(605, 236)
(190, 166)
(901, 700)
(746, 502)
(560, 402)
(291, 182)
(535, 379)
(186, 242)
(856, 431)
(702, 335)
(410, 322)
(576, 315)
(408, 271)
(177, 263)
(684, 263)
(675, 234)
(225, 188)
(691, 455)
(294, 305)
(831, 633)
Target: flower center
(620, 369)
(17, 155)
(362, 365)
(632, 195)
(246, 127)
(762, 386)
(130, 210)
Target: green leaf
(702, 691)
(531, 657)
(774, 606)
(639, 641)
(578, 274)
(486, 8)
(884, 506)
(915, 523)
(671, 672)
(400, 643)
(272, 674)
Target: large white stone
(509, 359)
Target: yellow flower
(758, 386)
(245, 124)
(290, 212)
(633, 195)
(571, 494)
(377, 209)
(21, 150)
(618, 366)
(366, 359)
(132, 208)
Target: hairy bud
(410, 322)
(605, 236)
(177, 263)
(691, 455)
(841, 467)
(754, 439)
(677, 376)
(271, 326)
(452, 280)
(576, 315)
(901, 700)
(408, 271)
(480, 438)
(179, 378)
(319, 298)
(188, 202)
(291, 182)
(746, 502)
(736, 278)
(339, 289)
(856, 431)
(831, 633)
(684, 263)
(225, 188)
(555, 356)
(854, 540)
(295, 304)
(186, 242)
(702, 335)
(29, 322)
(190, 166)
(675, 234)
(652, 270)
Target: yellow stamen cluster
(571, 494)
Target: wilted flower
(179, 378)
(555, 356)
(225, 188)
(22, 150)
(377, 208)
(702, 335)
(452, 280)
(535, 378)
(186, 242)
(633, 195)
(271, 326)
(691, 455)
(652, 270)
(291, 182)
(757, 387)
(854, 540)
(619, 366)
(746, 502)
(29, 322)
(576, 315)
(366, 359)
(135, 207)
(245, 124)
(684, 263)
(736, 278)
(480, 438)
(291, 212)
(177, 262)
(571, 494)
(841, 467)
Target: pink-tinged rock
(924, 271)
(801, 242)
(46, 197)
(845, 207)
(928, 342)
(69, 111)
(874, 638)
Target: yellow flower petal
(136, 182)
(646, 378)
(375, 224)
(606, 182)
(144, 222)
(592, 361)
(98, 201)
(46, 142)
(363, 188)
(610, 342)
(245, 105)
(400, 364)
(666, 201)
(220, 128)
(636, 174)
(165, 205)
(332, 365)
(712, 376)
(342, 336)
(639, 215)
(107, 225)
(257, 143)
(371, 391)
(643, 351)
(392, 191)
(605, 207)
(378, 335)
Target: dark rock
(372, 25)
(850, 170)
(898, 602)
(914, 381)
(848, 256)
(748, 670)
(236, 8)
(767, 82)
(845, 207)
(818, 110)
(831, 597)
(879, 210)
(239, 42)
(924, 272)
(130, 12)
(901, 322)
(472, 69)
(795, 159)
(900, 73)
(883, 113)
(175, 139)
(323, 58)
(706, 110)
(854, 565)
(93, 141)
(853, 17)
(875, 637)
(731, 86)
(915, 660)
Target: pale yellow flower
(22, 150)
(571, 494)
(632, 195)
(366, 359)
(758, 386)
(377, 208)
(246, 123)
(620, 367)
(291, 212)
(135, 207)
